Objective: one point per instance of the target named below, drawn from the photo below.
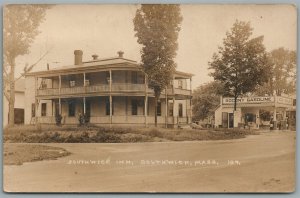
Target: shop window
(170, 109)
(180, 110)
(72, 108)
(249, 117)
(33, 110)
(44, 109)
(158, 109)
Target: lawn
(93, 134)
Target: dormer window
(72, 83)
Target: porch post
(146, 101)
(173, 93)
(166, 108)
(59, 106)
(84, 106)
(59, 92)
(191, 110)
(110, 97)
(36, 100)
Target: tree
(20, 27)
(282, 73)
(206, 98)
(157, 28)
(241, 64)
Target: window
(72, 83)
(107, 77)
(72, 108)
(180, 113)
(170, 109)
(44, 84)
(134, 77)
(87, 83)
(33, 110)
(294, 102)
(158, 110)
(107, 106)
(180, 84)
(134, 107)
(44, 109)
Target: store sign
(284, 100)
(249, 100)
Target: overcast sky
(106, 29)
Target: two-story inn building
(111, 91)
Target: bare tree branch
(26, 70)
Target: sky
(106, 29)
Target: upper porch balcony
(101, 83)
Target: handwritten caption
(151, 162)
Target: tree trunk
(234, 107)
(11, 113)
(155, 114)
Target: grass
(16, 154)
(92, 134)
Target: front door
(224, 119)
(230, 118)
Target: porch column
(173, 93)
(274, 119)
(110, 97)
(274, 114)
(84, 106)
(59, 92)
(174, 110)
(36, 100)
(59, 106)
(191, 110)
(84, 102)
(146, 101)
(166, 109)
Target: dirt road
(258, 163)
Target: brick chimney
(95, 56)
(78, 57)
(120, 54)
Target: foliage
(264, 115)
(206, 98)
(241, 64)
(157, 28)
(83, 119)
(58, 119)
(282, 73)
(20, 27)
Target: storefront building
(254, 112)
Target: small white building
(248, 111)
(19, 103)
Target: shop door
(230, 115)
(224, 119)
